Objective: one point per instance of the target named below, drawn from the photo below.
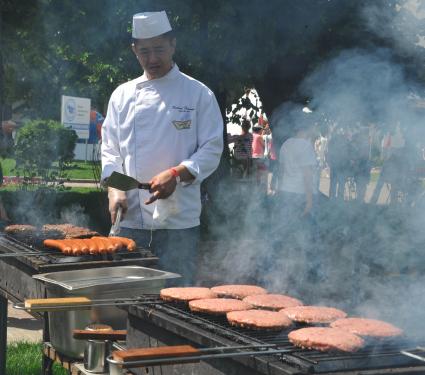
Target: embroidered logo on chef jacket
(180, 125)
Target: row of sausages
(93, 245)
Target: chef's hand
(162, 186)
(116, 198)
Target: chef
(165, 128)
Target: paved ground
(22, 326)
(383, 197)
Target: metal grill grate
(383, 355)
(50, 259)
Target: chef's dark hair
(170, 35)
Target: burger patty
(274, 302)
(238, 291)
(218, 306)
(259, 319)
(313, 314)
(69, 231)
(326, 339)
(23, 229)
(367, 327)
(186, 294)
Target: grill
(17, 284)
(173, 324)
(51, 260)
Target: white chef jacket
(153, 125)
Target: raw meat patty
(186, 294)
(314, 314)
(367, 327)
(218, 306)
(238, 291)
(272, 301)
(259, 319)
(326, 339)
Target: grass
(24, 358)
(83, 190)
(78, 170)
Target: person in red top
(258, 159)
(257, 142)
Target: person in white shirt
(164, 128)
(296, 230)
(298, 167)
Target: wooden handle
(112, 335)
(46, 303)
(154, 353)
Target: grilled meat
(94, 245)
(313, 314)
(21, 229)
(186, 294)
(238, 291)
(367, 327)
(68, 231)
(326, 339)
(218, 306)
(273, 302)
(259, 319)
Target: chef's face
(155, 55)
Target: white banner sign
(75, 114)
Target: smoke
(359, 86)
(365, 259)
(75, 215)
(402, 23)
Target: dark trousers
(177, 250)
(294, 242)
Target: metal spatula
(123, 182)
(115, 228)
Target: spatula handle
(144, 185)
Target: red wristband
(174, 172)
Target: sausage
(76, 247)
(110, 247)
(116, 243)
(61, 245)
(128, 242)
(84, 246)
(107, 246)
(68, 247)
(93, 248)
(100, 244)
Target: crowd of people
(346, 155)
(253, 153)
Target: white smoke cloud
(401, 22)
(370, 256)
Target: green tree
(40, 144)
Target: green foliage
(82, 48)
(24, 358)
(245, 103)
(39, 145)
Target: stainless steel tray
(112, 277)
(108, 282)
